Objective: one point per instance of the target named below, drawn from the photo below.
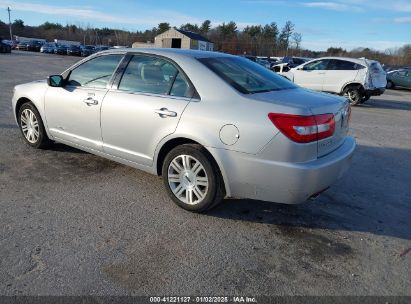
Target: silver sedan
(211, 124)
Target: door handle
(90, 101)
(164, 112)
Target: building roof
(193, 35)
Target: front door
(311, 75)
(145, 108)
(73, 111)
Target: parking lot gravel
(72, 223)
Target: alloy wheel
(188, 179)
(30, 126)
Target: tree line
(260, 40)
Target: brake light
(304, 129)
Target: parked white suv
(358, 79)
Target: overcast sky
(341, 23)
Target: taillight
(304, 129)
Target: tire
(192, 178)
(32, 127)
(365, 98)
(390, 85)
(353, 94)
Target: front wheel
(192, 178)
(354, 95)
(31, 126)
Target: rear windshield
(376, 68)
(246, 76)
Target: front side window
(147, 74)
(246, 76)
(95, 73)
(317, 65)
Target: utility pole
(11, 33)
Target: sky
(378, 24)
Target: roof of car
(356, 60)
(169, 52)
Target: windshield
(245, 75)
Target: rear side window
(95, 73)
(246, 76)
(147, 74)
(403, 73)
(344, 65)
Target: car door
(73, 111)
(408, 80)
(143, 107)
(401, 78)
(311, 75)
(338, 73)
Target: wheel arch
(23, 100)
(20, 102)
(165, 147)
(352, 84)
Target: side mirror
(55, 81)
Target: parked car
(250, 57)
(22, 46)
(48, 48)
(12, 43)
(263, 62)
(60, 49)
(74, 50)
(87, 50)
(34, 46)
(100, 48)
(4, 47)
(399, 78)
(287, 63)
(357, 79)
(212, 124)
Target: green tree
(205, 27)
(18, 24)
(190, 27)
(163, 27)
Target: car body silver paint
(261, 164)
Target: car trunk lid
(307, 102)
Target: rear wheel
(354, 95)
(192, 178)
(390, 85)
(365, 98)
(31, 126)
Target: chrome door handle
(164, 112)
(90, 101)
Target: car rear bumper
(289, 183)
(375, 92)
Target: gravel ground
(72, 223)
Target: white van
(358, 79)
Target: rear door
(339, 72)
(144, 107)
(311, 75)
